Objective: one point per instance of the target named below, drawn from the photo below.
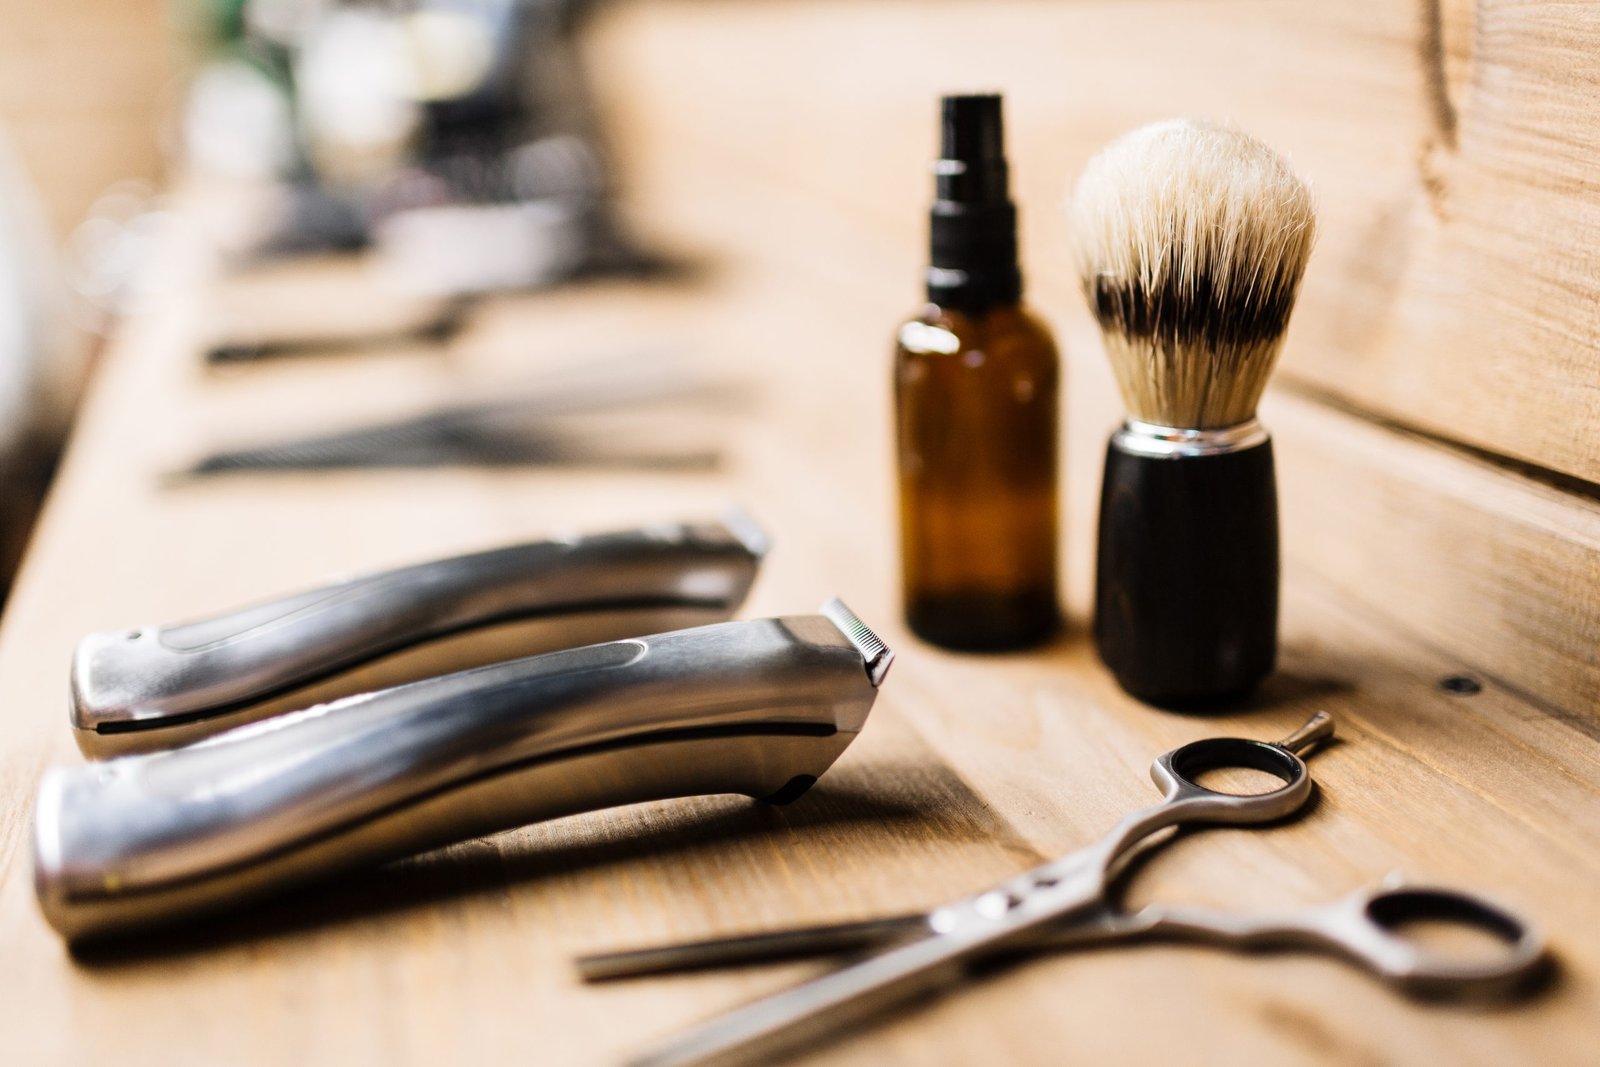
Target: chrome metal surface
(1176, 442)
(162, 686)
(873, 651)
(1068, 903)
(765, 947)
(1366, 928)
(761, 707)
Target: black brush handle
(1186, 585)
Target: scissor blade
(770, 946)
(798, 942)
(824, 1007)
(788, 1019)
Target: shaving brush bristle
(1191, 239)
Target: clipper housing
(155, 687)
(762, 708)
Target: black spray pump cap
(974, 224)
(972, 155)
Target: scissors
(1069, 902)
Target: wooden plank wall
(1435, 408)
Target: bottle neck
(972, 263)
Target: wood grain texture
(1501, 571)
(1486, 327)
(1453, 287)
(1341, 87)
(972, 768)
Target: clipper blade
(878, 656)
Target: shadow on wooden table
(918, 809)
(1281, 688)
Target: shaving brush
(1191, 240)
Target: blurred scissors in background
(1069, 902)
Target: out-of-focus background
(453, 143)
(327, 287)
(85, 90)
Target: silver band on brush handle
(761, 707)
(1177, 442)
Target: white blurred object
(108, 254)
(237, 122)
(462, 248)
(283, 21)
(452, 52)
(543, 236)
(560, 165)
(355, 78)
(41, 360)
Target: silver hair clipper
(163, 686)
(761, 708)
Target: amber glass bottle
(976, 394)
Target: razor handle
(163, 686)
(1186, 581)
(761, 708)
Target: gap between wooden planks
(1502, 570)
(1453, 283)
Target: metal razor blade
(154, 687)
(760, 707)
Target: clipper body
(761, 708)
(164, 686)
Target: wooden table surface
(972, 767)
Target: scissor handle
(1368, 928)
(1177, 774)
(1185, 800)
(1371, 925)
